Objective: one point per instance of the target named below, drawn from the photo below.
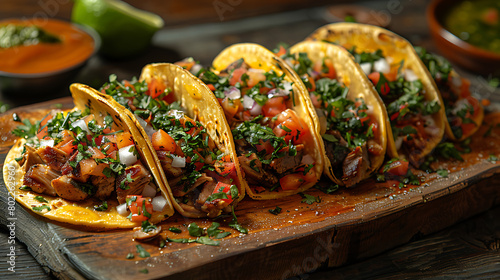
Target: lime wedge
(124, 30)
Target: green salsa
(15, 35)
(476, 22)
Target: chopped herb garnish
(130, 256)
(174, 230)
(41, 199)
(41, 208)
(443, 173)
(309, 199)
(275, 211)
(142, 252)
(102, 207)
(195, 230)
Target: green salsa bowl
(467, 33)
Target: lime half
(124, 30)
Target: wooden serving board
(346, 226)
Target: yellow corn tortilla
(370, 38)
(350, 74)
(81, 213)
(259, 57)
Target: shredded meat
(288, 162)
(30, 158)
(355, 165)
(132, 181)
(336, 151)
(179, 190)
(39, 177)
(254, 172)
(166, 163)
(53, 157)
(69, 189)
(105, 186)
(235, 65)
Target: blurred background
(202, 28)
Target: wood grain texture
(345, 227)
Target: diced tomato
(96, 153)
(155, 88)
(163, 142)
(325, 68)
(140, 207)
(129, 85)
(66, 145)
(264, 145)
(288, 125)
(193, 127)
(291, 181)
(223, 188)
(211, 87)
(274, 106)
(109, 147)
(236, 76)
(375, 77)
(312, 83)
(281, 51)
(124, 139)
(225, 168)
(398, 168)
(186, 63)
(230, 106)
(254, 77)
(199, 165)
(310, 176)
(43, 132)
(465, 88)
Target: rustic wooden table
(469, 249)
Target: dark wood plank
(343, 228)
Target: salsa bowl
(40, 57)
(460, 52)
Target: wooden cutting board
(343, 227)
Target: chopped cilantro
(142, 252)
(195, 230)
(102, 207)
(309, 199)
(41, 199)
(41, 208)
(275, 211)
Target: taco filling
(350, 129)
(464, 113)
(201, 177)
(403, 94)
(77, 156)
(270, 138)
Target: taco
(84, 167)
(415, 108)
(185, 130)
(352, 116)
(270, 119)
(463, 112)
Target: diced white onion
(126, 156)
(47, 143)
(195, 69)
(149, 129)
(410, 76)
(232, 93)
(158, 203)
(248, 102)
(366, 67)
(459, 105)
(369, 109)
(256, 109)
(399, 142)
(176, 114)
(149, 190)
(381, 65)
(307, 159)
(122, 209)
(178, 161)
(456, 80)
(287, 86)
(277, 92)
(81, 123)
